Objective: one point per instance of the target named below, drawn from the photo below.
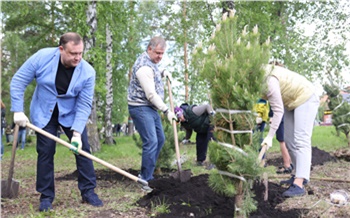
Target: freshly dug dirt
(195, 198)
(319, 157)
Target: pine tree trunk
(109, 87)
(89, 41)
(239, 199)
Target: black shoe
(92, 199)
(291, 181)
(45, 206)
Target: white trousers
(298, 126)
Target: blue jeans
(21, 137)
(148, 123)
(46, 149)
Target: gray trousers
(298, 125)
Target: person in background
(291, 94)
(287, 162)
(188, 134)
(197, 118)
(8, 133)
(145, 97)
(3, 125)
(64, 90)
(22, 134)
(262, 110)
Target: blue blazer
(74, 106)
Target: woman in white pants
(292, 94)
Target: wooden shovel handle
(81, 152)
(13, 155)
(262, 152)
(177, 150)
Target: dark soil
(319, 157)
(195, 198)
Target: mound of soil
(319, 157)
(195, 198)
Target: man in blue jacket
(63, 97)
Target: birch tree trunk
(109, 87)
(185, 53)
(89, 41)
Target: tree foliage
(232, 66)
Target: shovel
(9, 187)
(91, 157)
(181, 175)
(265, 179)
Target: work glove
(76, 141)
(171, 116)
(268, 142)
(167, 75)
(20, 119)
(258, 120)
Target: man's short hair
(155, 41)
(70, 37)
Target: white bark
(109, 87)
(89, 42)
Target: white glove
(268, 142)
(168, 75)
(76, 139)
(258, 120)
(171, 116)
(20, 119)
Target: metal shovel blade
(183, 175)
(10, 187)
(9, 190)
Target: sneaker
(294, 191)
(45, 206)
(146, 189)
(92, 199)
(290, 181)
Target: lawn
(119, 200)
